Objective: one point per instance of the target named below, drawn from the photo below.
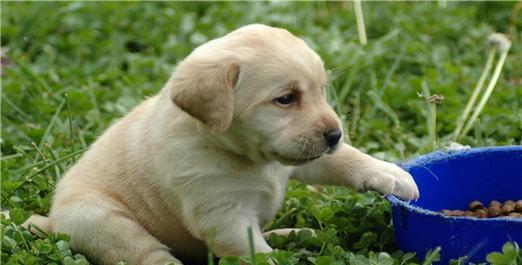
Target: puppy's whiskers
(303, 147)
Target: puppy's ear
(204, 88)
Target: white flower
(500, 41)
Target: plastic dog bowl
(451, 180)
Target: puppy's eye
(285, 100)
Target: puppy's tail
(42, 222)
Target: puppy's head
(263, 91)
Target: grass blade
(360, 22)
(251, 246)
(384, 108)
(69, 118)
(59, 160)
(27, 69)
(51, 125)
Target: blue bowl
(451, 180)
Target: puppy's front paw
(388, 178)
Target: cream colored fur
(211, 155)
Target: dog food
(495, 208)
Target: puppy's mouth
(332, 150)
(295, 161)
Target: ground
(72, 69)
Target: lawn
(72, 69)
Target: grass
(74, 68)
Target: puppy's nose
(331, 137)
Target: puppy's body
(211, 155)
(162, 176)
(111, 175)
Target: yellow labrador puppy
(211, 154)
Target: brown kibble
(452, 213)
(475, 205)
(494, 211)
(481, 213)
(518, 206)
(469, 213)
(508, 208)
(458, 213)
(495, 203)
(515, 215)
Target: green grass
(74, 68)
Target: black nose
(331, 137)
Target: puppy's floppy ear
(204, 88)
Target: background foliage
(71, 69)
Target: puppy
(210, 155)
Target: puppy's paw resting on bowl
(388, 178)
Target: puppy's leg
(350, 167)
(286, 231)
(231, 239)
(42, 222)
(105, 232)
(223, 224)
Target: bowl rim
(439, 155)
